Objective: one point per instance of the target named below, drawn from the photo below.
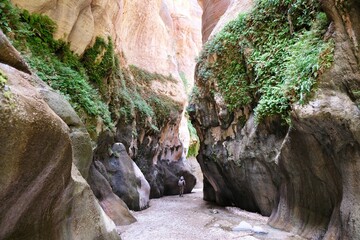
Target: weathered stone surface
(161, 158)
(308, 170)
(80, 139)
(79, 22)
(87, 219)
(43, 196)
(319, 194)
(121, 173)
(234, 8)
(10, 56)
(114, 207)
(238, 161)
(36, 159)
(157, 35)
(126, 179)
(168, 31)
(212, 11)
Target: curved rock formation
(319, 194)
(234, 8)
(123, 175)
(212, 12)
(36, 159)
(78, 22)
(303, 175)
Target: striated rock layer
(304, 176)
(212, 11)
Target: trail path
(191, 218)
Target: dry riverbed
(190, 218)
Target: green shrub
(194, 141)
(90, 80)
(269, 58)
(53, 61)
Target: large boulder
(121, 173)
(43, 196)
(36, 159)
(126, 179)
(80, 138)
(114, 206)
(161, 158)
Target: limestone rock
(9, 55)
(114, 207)
(79, 22)
(325, 141)
(123, 175)
(235, 8)
(86, 212)
(158, 35)
(212, 11)
(81, 142)
(165, 30)
(308, 171)
(41, 198)
(161, 158)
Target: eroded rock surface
(212, 12)
(304, 175)
(320, 155)
(159, 36)
(123, 175)
(43, 195)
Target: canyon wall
(158, 37)
(302, 175)
(43, 194)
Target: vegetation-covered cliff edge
(276, 108)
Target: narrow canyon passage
(189, 218)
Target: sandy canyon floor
(191, 218)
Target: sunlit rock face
(43, 195)
(232, 11)
(303, 176)
(78, 22)
(212, 12)
(160, 36)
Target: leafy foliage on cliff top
(269, 58)
(94, 83)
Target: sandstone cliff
(141, 65)
(302, 175)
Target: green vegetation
(151, 109)
(5, 91)
(3, 80)
(144, 76)
(93, 83)
(186, 83)
(52, 60)
(194, 141)
(270, 57)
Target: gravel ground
(190, 218)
